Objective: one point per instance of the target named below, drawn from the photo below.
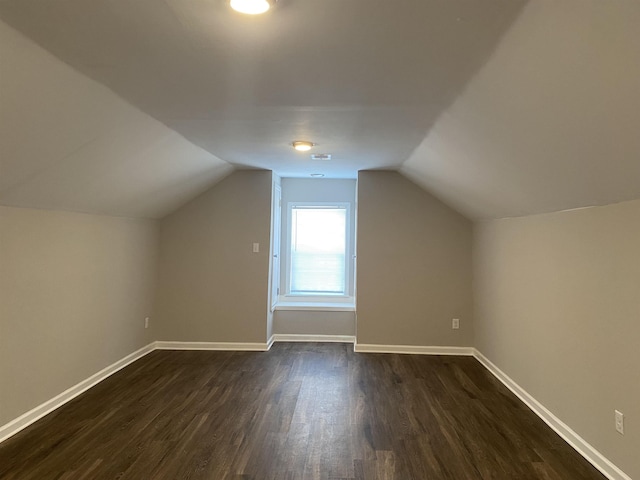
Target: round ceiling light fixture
(317, 175)
(303, 146)
(252, 7)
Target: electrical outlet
(146, 322)
(256, 248)
(619, 422)
(455, 323)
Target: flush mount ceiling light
(302, 146)
(252, 7)
(317, 175)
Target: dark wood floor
(300, 411)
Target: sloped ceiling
(69, 143)
(500, 107)
(551, 122)
(364, 79)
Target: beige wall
(274, 234)
(211, 287)
(74, 292)
(558, 310)
(310, 322)
(413, 265)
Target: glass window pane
(318, 243)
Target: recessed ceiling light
(317, 175)
(302, 146)
(252, 7)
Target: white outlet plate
(256, 248)
(455, 323)
(146, 322)
(619, 422)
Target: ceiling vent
(321, 156)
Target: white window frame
(330, 297)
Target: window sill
(317, 306)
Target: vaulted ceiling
(552, 120)
(499, 108)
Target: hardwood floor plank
(298, 412)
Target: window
(318, 260)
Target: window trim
(320, 297)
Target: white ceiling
(498, 107)
(364, 79)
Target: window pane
(318, 242)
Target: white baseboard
(250, 347)
(26, 419)
(412, 349)
(592, 455)
(285, 337)
(23, 421)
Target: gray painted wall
(74, 292)
(558, 308)
(413, 265)
(211, 286)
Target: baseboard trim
(286, 337)
(593, 456)
(35, 414)
(225, 346)
(412, 349)
(580, 445)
